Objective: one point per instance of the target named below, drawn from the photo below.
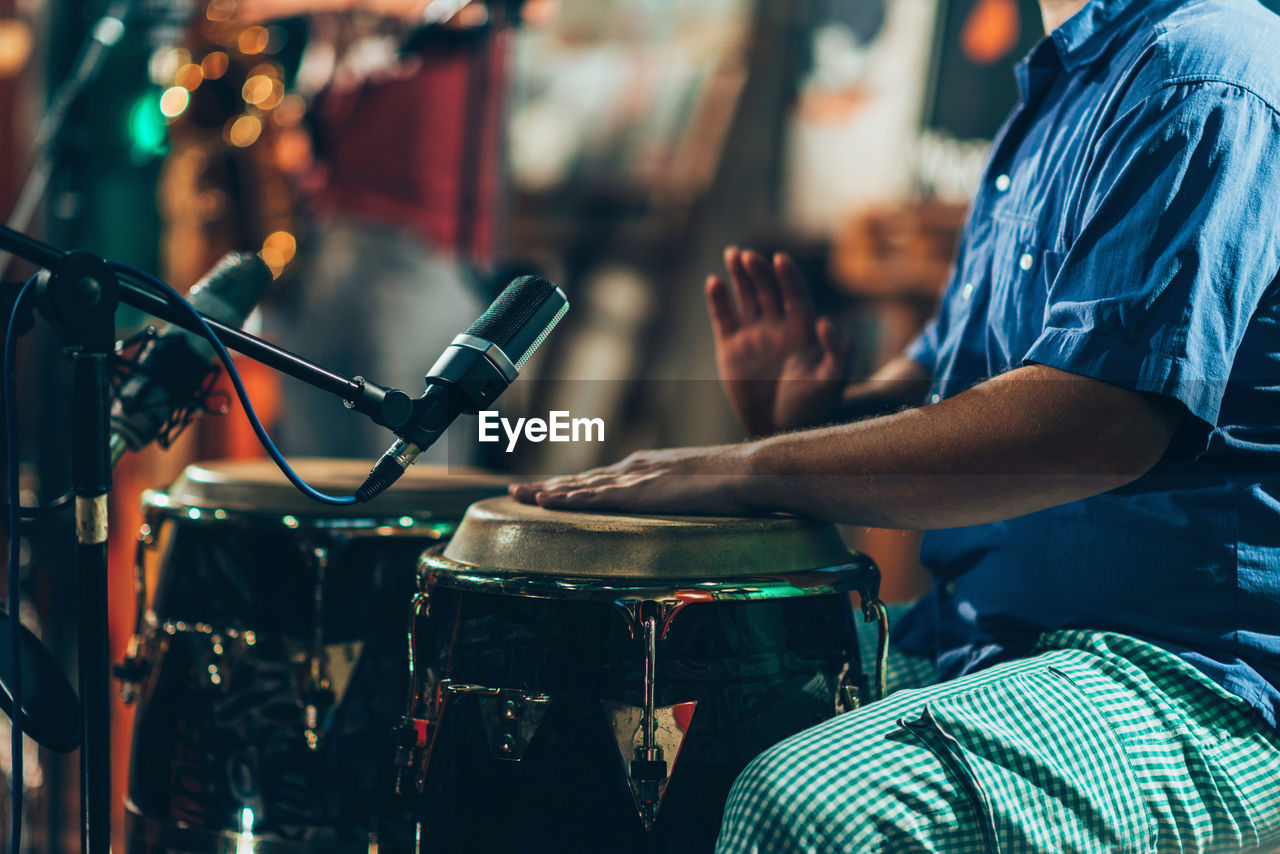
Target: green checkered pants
(1096, 743)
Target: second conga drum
(595, 682)
(269, 661)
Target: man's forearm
(1030, 439)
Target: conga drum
(587, 682)
(269, 660)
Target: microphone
(174, 367)
(476, 368)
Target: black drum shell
(760, 671)
(202, 752)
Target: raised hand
(781, 367)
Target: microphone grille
(507, 316)
(230, 290)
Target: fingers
(835, 349)
(724, 317)
(768, 291)
(744, 289)
(766, 287)
(563, 493)
(577, 499)
(525, 493)
(532, 492)
(793, 288)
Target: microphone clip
(476, 369)
(468, 376)
(126, 365)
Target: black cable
(7, 381)
(176, 300)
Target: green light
(148, 132)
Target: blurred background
(395, 172)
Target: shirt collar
(1084, 36)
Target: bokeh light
(164, 63)
(243, 131)
(174, 101)
(16, 42)
(256, 89)
(278, 250)
(253, 40)
(220, 10)
(189, 76)
(214, 65)
(148, 133)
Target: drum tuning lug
(409, 736)
(510, 716)
(317, 703)
(410, 732)
(869, 596)
(131, 672)
(850, 699)
(648, 769)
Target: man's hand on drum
(782, 367)
(707, 481)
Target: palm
(780, 366)
(764, 349)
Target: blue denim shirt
(1128, 229)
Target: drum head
(504, 535)
(257, 486)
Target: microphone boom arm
(391, 408)
(388, 407)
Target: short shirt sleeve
(1177, 240)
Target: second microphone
(475, 369)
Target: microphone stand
(79, 294)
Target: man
(1096, 464)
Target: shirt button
(1026, 261)
(1002, 183)
(950, 588)
(934, 398)
(967, 293)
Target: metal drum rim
(434, 569)
(157, 503)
